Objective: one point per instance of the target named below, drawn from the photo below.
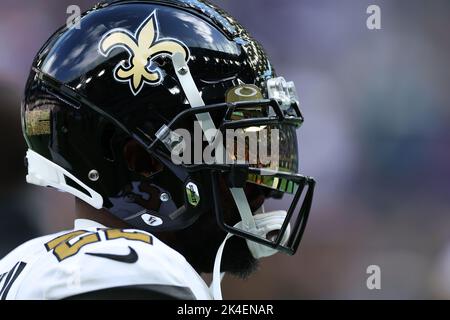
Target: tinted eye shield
(274, 118)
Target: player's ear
(139, 160)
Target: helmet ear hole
(139, 160)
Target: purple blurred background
(377, 108)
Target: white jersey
(92, 257)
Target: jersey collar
(87, 224)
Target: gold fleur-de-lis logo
(143, 47)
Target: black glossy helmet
(136, 71)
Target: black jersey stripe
(12, 276)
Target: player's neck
(85, 211)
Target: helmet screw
(93, 175)
(164, 197)
(183, 71)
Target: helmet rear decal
(37, 122)
(143, 47)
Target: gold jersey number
(69, 244)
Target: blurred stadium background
(376, 137)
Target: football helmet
(139, 70)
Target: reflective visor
(272, 146)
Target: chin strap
(264, 223)
(215, 287)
